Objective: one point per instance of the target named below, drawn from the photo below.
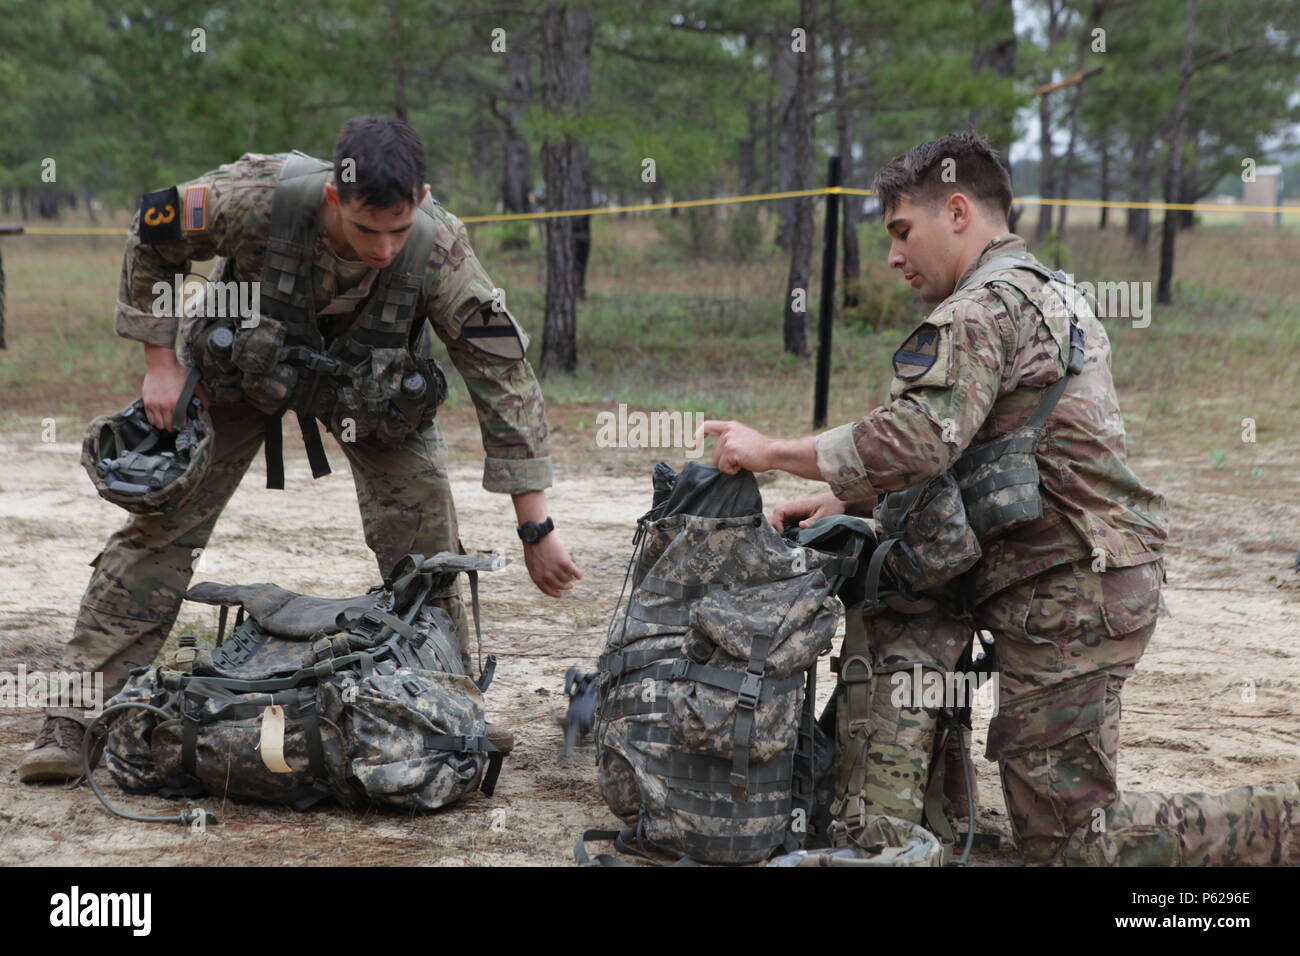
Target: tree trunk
(1105, 179)
(1169, 227)
(1047, 164)
(1067, 175)
(852, 267)
(567, 35)
(88, 200)
(515, 175)
(747, 161)
(1139, 220)
(800, 136)
(995, 51)
(1190, 191)
(786, 64)
(399, 68)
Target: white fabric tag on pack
(271, 746)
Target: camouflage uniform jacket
(985, 357)
(505, 392)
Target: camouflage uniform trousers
(1066, 642)
(141, 576)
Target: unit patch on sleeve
(160, 216)
(919, 353)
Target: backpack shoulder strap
(295, 215)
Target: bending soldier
(348, 260)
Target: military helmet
(142, 468)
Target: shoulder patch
(160, 216)
(196, 209)
(919, 353)
(492, 330)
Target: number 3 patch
(160, 216)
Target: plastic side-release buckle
(751, 686)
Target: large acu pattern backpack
(705, 736)
(360, 699)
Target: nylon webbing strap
(701, 844)
(673, 589)
(189, 738)
(727, 809)
(478, 631)
(990, 452)
(747, 697)
(349, 617)
(320, 465)
(628, 661)
(310, 717)
(485, 678)
(803, 782)
(857, 680)
(671, 615)
(1004, 479)
(874, 569)
(686, 771)
(183, 401)
(470, 744)
(682, 668)
(273, 451)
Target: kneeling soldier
(1067, 571)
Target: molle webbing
(385, 321)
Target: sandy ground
(1213, 704)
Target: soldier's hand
(550, 567)
(807, 510)
(738, 446)
(164, 378)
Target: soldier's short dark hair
(918, 176)
(387, 165)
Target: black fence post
(821, 391)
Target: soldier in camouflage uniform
(1071, 598)
(365, 217)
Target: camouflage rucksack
(360, 699)
(705, 735)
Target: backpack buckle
(681, 669)
(751, 686)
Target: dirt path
(1213, 705)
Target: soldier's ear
(959, 212)
(331, 192)
(424, 194)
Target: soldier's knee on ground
(1056, 749)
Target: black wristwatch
(530, 532)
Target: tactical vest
(932, 532)
(367, 383)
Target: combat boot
(56, 753)
(501, 737)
